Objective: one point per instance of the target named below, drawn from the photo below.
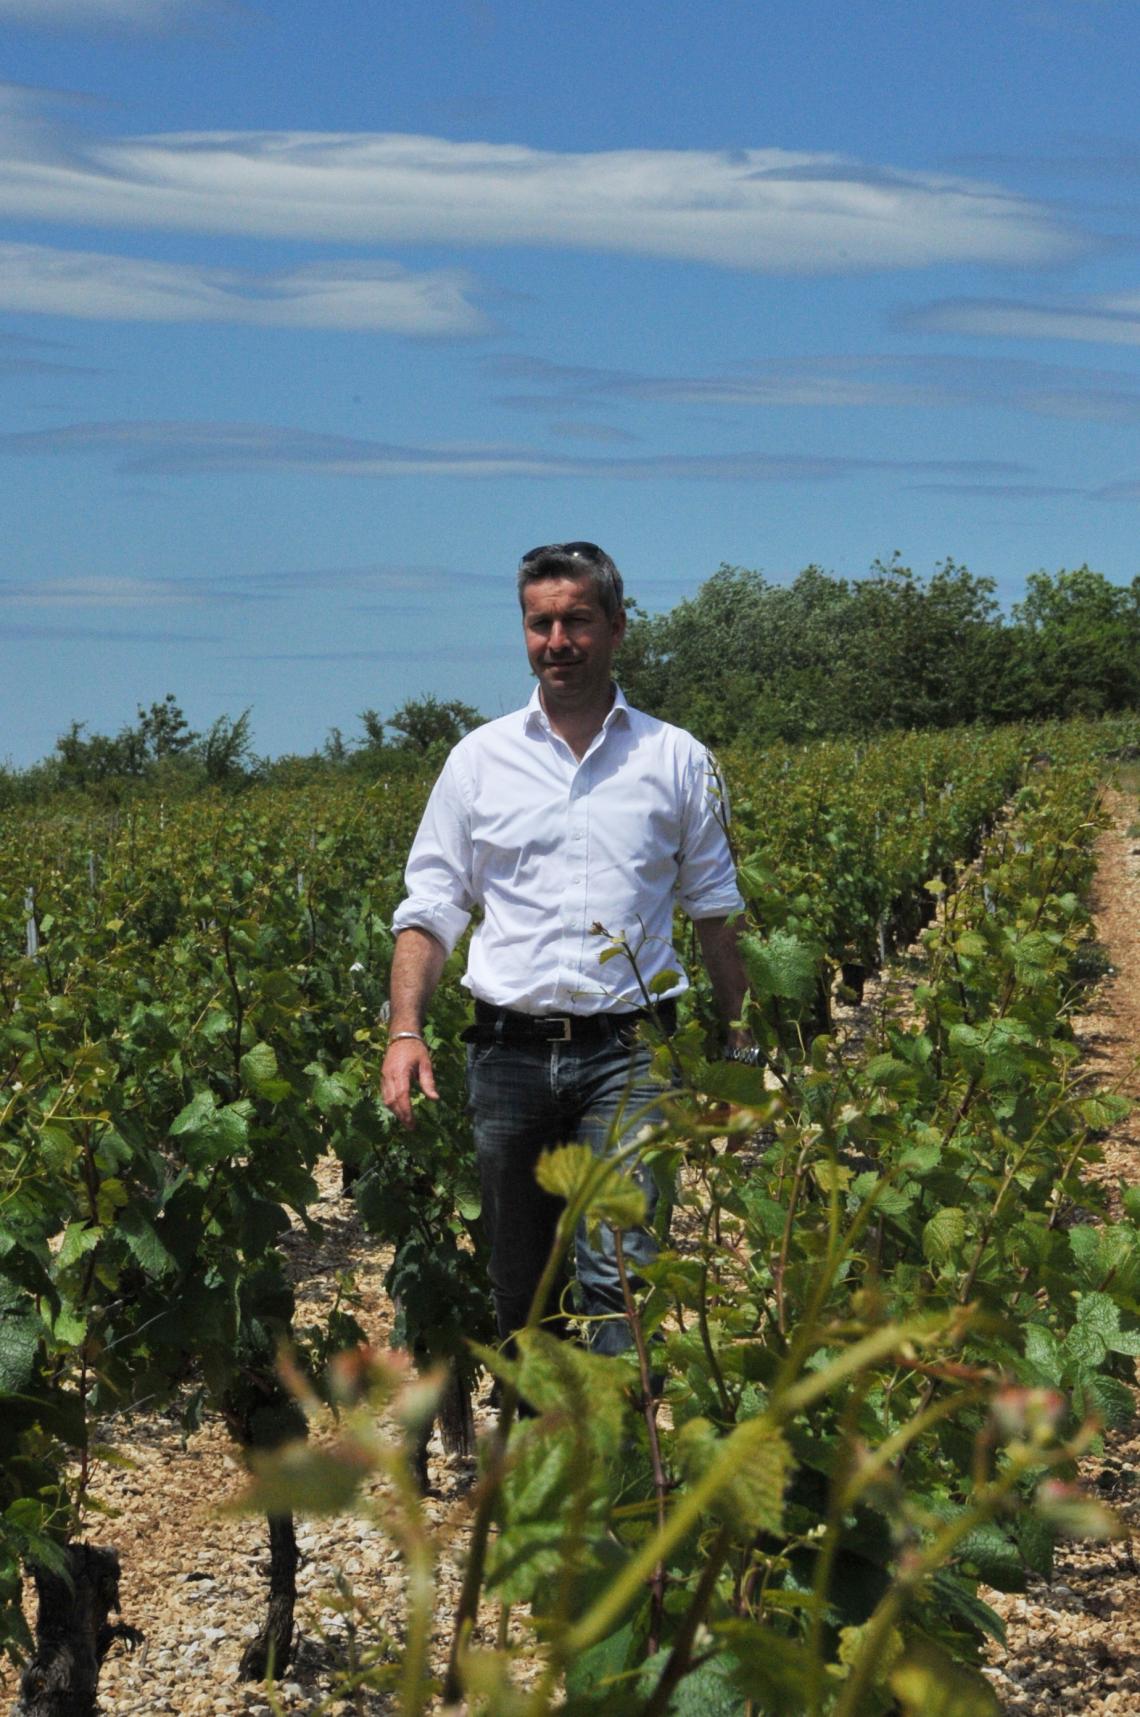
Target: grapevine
(885, 1339)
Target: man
(571, 823)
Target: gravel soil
(194, 1576)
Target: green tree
(746, 659)
(428, 724)
(915, 653)
(162, 731)
(1080, 643)
(693, 664)
(226, 749)
(373, 725)
(83, 761)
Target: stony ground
(193, 1577)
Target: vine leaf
(943, 1235)
(734, 1082)
(757, 1463)
(780, 965)
(928, 1683)
(574, 1170)
(706, 1691)
(210, 1134)
(259, 1073)
(143, 1242)
(302, 1477)
(20, 1332)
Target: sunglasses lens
(562, 551)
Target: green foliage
(745, 660)
(416, 736)
(573, 1172)
(754, 661)
(161, 753)
(878, 1348)
(173, 1060)
(429, 724)
(1080, 642)
(881, 1347)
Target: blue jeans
(526, 1098)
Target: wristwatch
(748, 1054)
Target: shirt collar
(535, 716)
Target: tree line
(159, 750)
(744, 659)
(755, 661)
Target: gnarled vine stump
(73, 1633)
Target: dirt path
(1074, 1643)
(193, 1579)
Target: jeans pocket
(478, 1053)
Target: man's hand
(407, 1064)
(417, 965)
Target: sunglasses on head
(564, 551)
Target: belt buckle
(565, 1021)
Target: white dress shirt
(551, 848)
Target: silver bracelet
(397, 1035)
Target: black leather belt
(514, 1027)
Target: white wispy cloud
(376, 296)
(883, 380)
(1111, 319)
(772, 210)
(1125, 491)
(999, 491)
(396, 588)
(825, 381)
(461, 655)
(95, 592)
(572, 430)
(176, 449)
(12, 633)
(90, 14)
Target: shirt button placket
(574, 919)
(568, 906)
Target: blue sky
(314, 317)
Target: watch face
(749, 1056)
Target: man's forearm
(720, 949)
(417, 966)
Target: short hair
(574, 560)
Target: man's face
(570, 643)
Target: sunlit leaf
(573, 1171)
(259, 1067)
(303, 1478)
(756, 1463)
(944, 1234)
(929, 1683)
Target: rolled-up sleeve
(706, 883)
(438, 874)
